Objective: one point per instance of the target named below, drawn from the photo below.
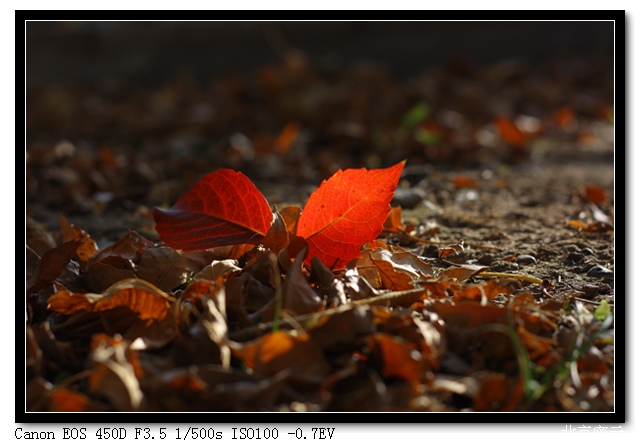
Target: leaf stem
(278, 281)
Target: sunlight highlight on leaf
(345, 212)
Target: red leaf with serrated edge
(345, 212)
(223, 208)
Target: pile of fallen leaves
(330, 307)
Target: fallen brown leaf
(146, 300)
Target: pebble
(573, 257)
(408, 198)
(590, 291)
(588, 251)
(600, 272)
(525, 259)
(486, 259)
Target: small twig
(278, 309)
(584, 300)
(448, 242)
(523, 277)
(394, 298)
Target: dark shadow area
(149, 53)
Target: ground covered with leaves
(489, 285)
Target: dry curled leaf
(66, 400)
(87, 248)
(509, 132)
(52, 264)
(116, 370)
(398, 358)
(143, 298)
(279, 351)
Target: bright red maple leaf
(345, 212)
(223, 208)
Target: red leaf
(345, 212)
(509, 132)
(287, 137)
(223, 208)
(462, 181)
(595, 194)
(564, 117)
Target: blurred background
(148, 54)
(123, 116)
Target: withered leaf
(394, 269)
(596, 227)
(85, 324)
(367, 269)
(393, 223)
(357, 287)
(463, 181)
(32, 261)
(218, 269)
(52, 263)
(146, 336)
(87, 249)
(211, 387)
(129, 247)
(36, 394)
(451, 249)
(509, 132)
(330, 286)
(278, 236)
(298, 297)
(595, 194)
(540, 348)
(66, 400)
(246, 295)
(398, 359)
(283, 142)
(422, 335)
(33, 356)
(199, 288)
(38, 237)
(278, 351)
(115, 372)
(167, 268)
(290, 215)
(392, 278)
(462, 273)
(483, 292)
(55, 351)
(143, 298)
(497, 392)
(472, 314)
(343, 328)
(115, 263)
